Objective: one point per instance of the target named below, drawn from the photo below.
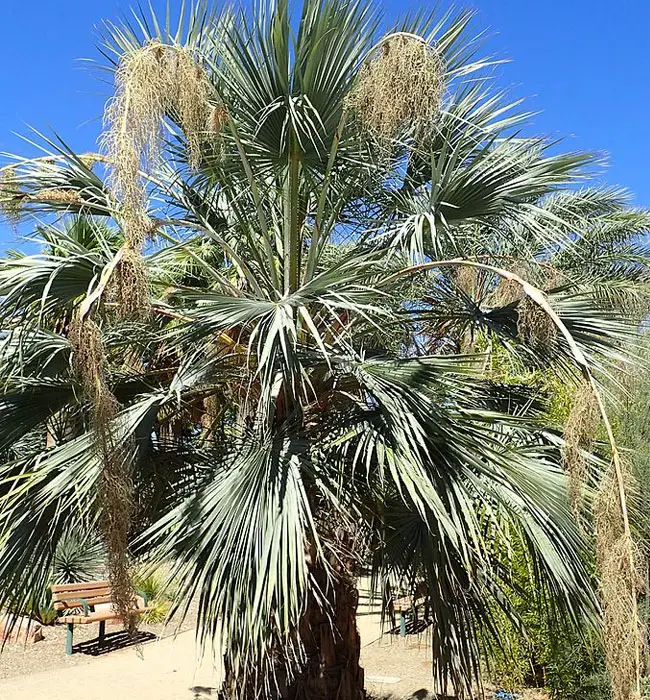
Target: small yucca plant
(80, 557)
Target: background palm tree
(255, 343)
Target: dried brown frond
(128, 288)
(11, 197)
(115, 483)
(400, 86)
(210, 413)
(534, 326)
(553, 278)
(579, 430)
(507, 292)
(620, 564)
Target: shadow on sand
(112, 641)
(422, 694)
(204, 691)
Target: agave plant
(254, 342)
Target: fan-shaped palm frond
(289, 322)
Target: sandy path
(160, 670)
(166, 670)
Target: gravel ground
(19, 660)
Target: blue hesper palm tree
(248, 347)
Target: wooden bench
(405, 605)
(87, 603)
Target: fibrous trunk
(332, 645)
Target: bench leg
(102, 632)
(402, 624)
(68, 638)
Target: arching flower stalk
(57, 195)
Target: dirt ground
(163, 667)
(19, 660)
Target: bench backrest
(73, 595)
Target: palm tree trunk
(332, 644)
(332, 648)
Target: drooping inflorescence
(399, 86)
(620, 565)
(152, 83)
(579, 430)
(115, 482)
(534, 326)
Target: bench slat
(78, 603)
(96, 617)
(69, 587)
(407, 603)
(86, 595)
(82, 593)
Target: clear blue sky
(585, 65)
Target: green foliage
(544, 651)
(80, 557)
(158, 592)
(38, 606)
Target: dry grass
(400, 86)
(620, 565)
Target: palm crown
(250, 345)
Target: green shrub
(38, 607)
(159, 593)
(575, 669)
(567, 660)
